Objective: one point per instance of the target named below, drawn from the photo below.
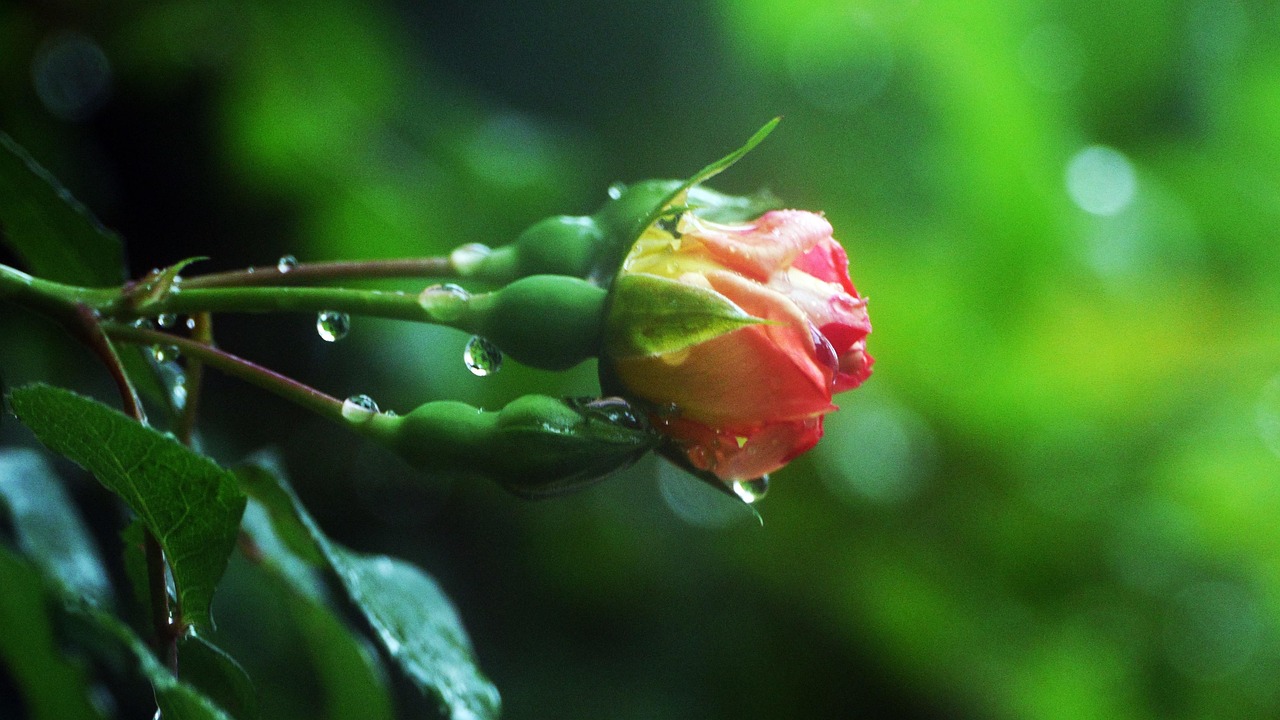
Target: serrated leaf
(411, 617)
(188, 502)
(53, 688)
(652, 315)
(58, 238)
(47, 526)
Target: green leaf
(177, 699)
(346, 666)
(190, 504)
(47, 526)
(58, 238)
(53, 688)
(411, 618)
(653, 315)
(209, 668)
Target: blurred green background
(1055, 498)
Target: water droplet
(751, 491)
(179, 395)
(332, 325)
(167, 320)
(359, 408)
(444, 302)
(143, 324)
(286, 263)
(612, 410)
(482, 357)
(616, 190)
(465, 258)
(191, 323)
(165, 353)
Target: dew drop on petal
(333, 326)
(444, 302)
(359, 408)
(465, 258)
(482, 357)
(286, 263)
(751, 491)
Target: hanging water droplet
(465, 258)
(165, 353)
(286, 263)
(444, 302)
(167, 320)
(179, 396)
(482, 357)
(333, 325)
(751, 491)
(616, 190)
(359, 408)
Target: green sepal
(652, 315)
(159, 284)
(535, 447)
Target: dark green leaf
(47, 526)
(354, 681)
(58, 238)
(191, 505)
(177, 699)
(53, 688)
(652, 315)
(411, 617)
(218, 675)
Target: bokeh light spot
(1101, 180)
(71, 74)
(695, 502)
(875, 451)
(1268, 415)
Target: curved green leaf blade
(653, 315)
(57, 236)
(47, 526)
(53, 688)
(412, 618)
(215, 673)
(178, 700)
(191, 504)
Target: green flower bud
(536, 446)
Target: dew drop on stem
(332, 326)
(616, 190)
(286, 263)
(165, 353)
(167, 320)
(482, 357)
(465, 258)
(444, 302)
(751, 491)
(359, 408)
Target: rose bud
(736, 336)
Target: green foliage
(191, 505)
(410, 616)
(57, 236)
